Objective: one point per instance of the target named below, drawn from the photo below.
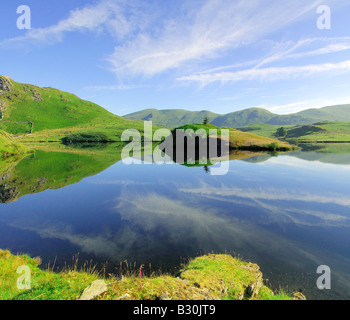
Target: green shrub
(84, 137)
(273, 146)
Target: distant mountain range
(32, 113)
(176, 118)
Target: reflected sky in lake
(286, 213)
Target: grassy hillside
(9, 147)
(243, 118)
(171, 118)
(332, 113)
(327, 131)
(219, 277)
(49, 114)
(247, 117)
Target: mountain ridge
(177, 117)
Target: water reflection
(285, 213)
(53, 167)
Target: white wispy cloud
(269, 194)
(215, 27)
(106, 15)
(297, 106)
(331, 45)
(120, 87)
(282, 51)
(291, 106)
(304, 48)
(151, 41)
(271, 73)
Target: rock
(299, 296)
(165, 296)
(37, 96)
(5, 254)
(8, 193)
(123, 297)
(5, 84)
(2, 109)
(38, 260)
(95, 289)
(253, 288)
(205, 291)
(252, 266)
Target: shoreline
(209, 277)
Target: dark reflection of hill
(248, 156)
(53, 167)
(200, 159)
(8, 192)
(333, 153)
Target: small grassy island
(240, 140)
(210, 277)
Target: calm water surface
(290, 214)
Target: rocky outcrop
(299, 296)
(95, 289)
(5, 84)
(37, 96)
(254, 287)
(222, 276)
(8, 193)
(2, 109)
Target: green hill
(326, 131)
(49, 114)
(332, 113)
(243, 118)
(171, 118)
(247, 117)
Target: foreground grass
(210, 277)
(46, 285)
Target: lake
(289, 213)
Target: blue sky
(216, 55)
